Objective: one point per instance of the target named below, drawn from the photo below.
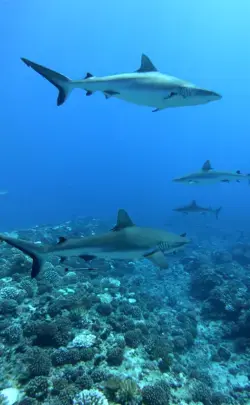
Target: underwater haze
(92, 156)
(125, 233)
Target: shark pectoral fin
(170, 95)
(87, 258)
(123, 221)
(159, 109)
(158, 259)
(110, 93)
(146, 65)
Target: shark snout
(211, 96)
(179, 244)
(207, 96)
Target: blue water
(91, 155)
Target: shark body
(125, 241)
(194, 208)
(207, 175)
(146, 86)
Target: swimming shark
(146, 86)
(193, 207)
(207, 175)
(125, 241)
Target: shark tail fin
(30, 249)
(217, 212)
(62, 83)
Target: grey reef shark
(207, 175)
(125, 241)
(146, 86)
(194, 208)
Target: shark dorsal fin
(61, 239)
(146, 65)
(207, 166)
(88, 76)
(123, 221)
(193, 203)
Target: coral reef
(127, 334)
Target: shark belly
(104, 252)
(136, 91)
(142, 97)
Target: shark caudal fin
(30, 249)
(62, 83)
(217, 212)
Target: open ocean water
(125, 233)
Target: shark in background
(194, 208)
(146, 86)
(208, 175)
(125, 241)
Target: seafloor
(126, 333)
